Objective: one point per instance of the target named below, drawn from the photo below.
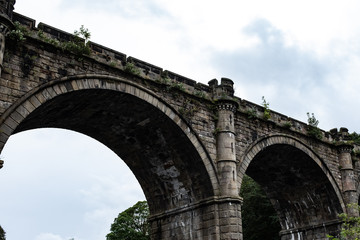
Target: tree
(350, 229)
(2, 234)
(355, 137)
(259, 218)
(131, 224)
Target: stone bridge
(188, 144)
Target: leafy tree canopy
(355, 137)
(350, 229)
(131, 224)
(2, 234)
(259, 218)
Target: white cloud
(294, 80)
(67, 175)
(107, 190)
(49, 236)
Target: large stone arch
(301, 188)
(161, 149)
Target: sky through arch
(68, 185)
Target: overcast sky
(303, 56)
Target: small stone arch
(16, 115)
(289, 206)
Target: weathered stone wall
(210, 219)
(250, 129)
(318, 232)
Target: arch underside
(300, 192)
(161, 156)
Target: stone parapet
(151, 72)
(110, 55)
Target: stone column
(6, 11)
(229, 202)
(225, 147)
(348, 178)
(223, 95)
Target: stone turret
(225, 89)
(7, 8)
(348, 178)
(225, 135)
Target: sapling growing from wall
(266, 109)
(18, 34)
(78, 45)
(131, 68)
(83, 33)
(312, 129)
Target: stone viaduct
(188, 144)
